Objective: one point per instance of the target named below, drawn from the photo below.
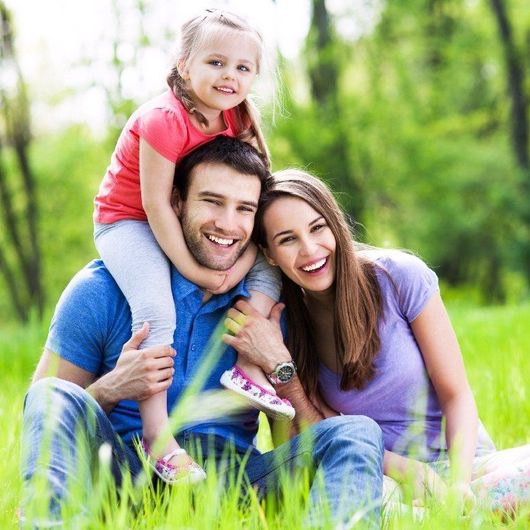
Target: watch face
(285, 373)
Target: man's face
(218, 215)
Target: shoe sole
(274, 413)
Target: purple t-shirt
(400, 397)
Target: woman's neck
(319, 301)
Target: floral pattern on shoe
(239, 381)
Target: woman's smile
(301, 243)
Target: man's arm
(138, 374)
(259, 340)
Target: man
(101, 374)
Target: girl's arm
(156, 179)
(438, 343)
(239, 270)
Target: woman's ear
(270, 261)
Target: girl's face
(221, 73)
(301, 243)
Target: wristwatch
(283, 373)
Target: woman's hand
(258, 339)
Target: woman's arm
(156, 179)
(418, 476)
(438, 343)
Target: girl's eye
(244, 68)
(215, 62)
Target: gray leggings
(142, 271)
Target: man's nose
(226, 220)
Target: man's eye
(212, 201)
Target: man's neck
(206, 295)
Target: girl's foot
(259, 397)
(175, 467)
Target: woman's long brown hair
(357, 306)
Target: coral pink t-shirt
(164, 124)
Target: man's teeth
(317, 265)
(221, 241)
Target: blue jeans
(344, 455)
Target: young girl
(136, 229)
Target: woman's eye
(319, 227)
(286, 240)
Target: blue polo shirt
(92, 321)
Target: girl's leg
(247, 379)
(502, 480)
(141, 270)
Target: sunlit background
(415, 112)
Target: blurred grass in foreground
(495, 342)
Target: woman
(370, 335)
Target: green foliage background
(411, 127)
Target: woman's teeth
(314, 266)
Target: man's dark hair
(236, 154)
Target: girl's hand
(258, 339)
(225, 283)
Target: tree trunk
(323, 70)
(515, 72)
(20, 261)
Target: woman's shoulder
(403, 277)
(394, 261)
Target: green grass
(495, 342)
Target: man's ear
(182, 69)
(176, 202)
(270, 261)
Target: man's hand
(138, 374)
(258, 339)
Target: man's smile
(224, 242)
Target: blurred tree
(20, 256)
(318, 131)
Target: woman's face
(301, 243)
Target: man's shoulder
(94, 275)
(92, 284)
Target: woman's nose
(308, 247)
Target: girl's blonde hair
(195, 33)
(357, 307)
